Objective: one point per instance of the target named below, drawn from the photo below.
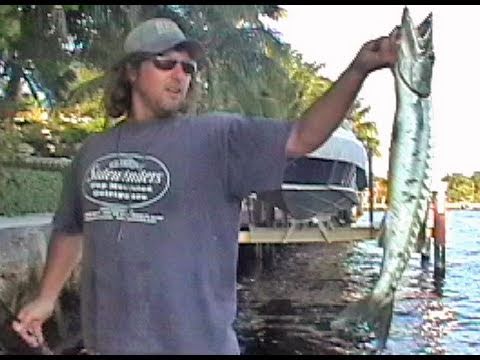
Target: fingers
(379, 53)
(37, 331)
(27, 334)
(385, 48)
(30, 329)
(395, 37)
(395, 32)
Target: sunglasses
(188, 67)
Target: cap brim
(193, 47)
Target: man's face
(162, 82)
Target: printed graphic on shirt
(123, 182)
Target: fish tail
(382, 323)
(375, 313)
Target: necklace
(135, 161)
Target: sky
(333, 34)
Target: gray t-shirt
(159, 206)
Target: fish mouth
(425, 26)
(416, 56)
(417, 40)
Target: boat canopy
(344, 146)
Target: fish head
(415, 54)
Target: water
(285, 306)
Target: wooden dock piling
(424, 245)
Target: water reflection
(286, 303)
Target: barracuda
(409, 177)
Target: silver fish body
(409, 176)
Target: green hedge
(30, 191)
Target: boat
(326, 182)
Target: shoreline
(448, 206)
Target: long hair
(118, 89)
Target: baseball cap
(159, 35)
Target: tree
(9, 26)
(247, 69)
(460, 188)
(307, 85)
(476, 187)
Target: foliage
(247, 70)
(60, 132)
(308, 84)
(57, 76)
(9, 145)
(461, 188)
(476, 187)
(9, 25)
(30, 191)
(65, 130)
(381, 188)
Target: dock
(259, 235)
(256, 235)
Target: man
(154, 203)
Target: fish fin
(422, 236)
(383, 322)
(383, 226)
(352, 315)
(377, 315)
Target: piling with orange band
(439, 229)
(439, 232)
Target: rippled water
(285, 305)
